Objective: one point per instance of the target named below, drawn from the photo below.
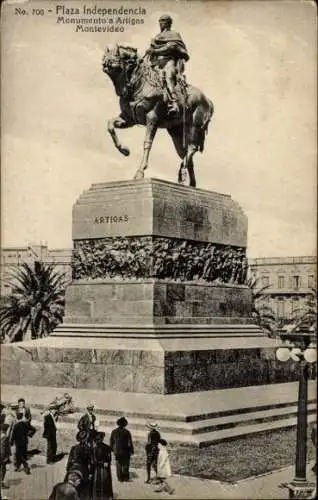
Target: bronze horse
(143, 101)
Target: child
(164, 468)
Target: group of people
(16, 429)
(88, 470)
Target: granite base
(145, 365)
(156, 302)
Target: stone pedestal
(154, 253)
(163, 262)
(157, 305)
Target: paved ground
(39, 484)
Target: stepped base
(158, 360)
(151, 331)
(199, 418)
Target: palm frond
(262, 313)
(36, 302)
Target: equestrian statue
(153, 91)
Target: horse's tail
(208, 116)
(205, 124)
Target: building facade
(13, 257)
(290, 281)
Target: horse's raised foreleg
(152, 126)
(114, 123)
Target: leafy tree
(36, 303)
(262, 313)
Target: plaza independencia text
(108, 15)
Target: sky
(255, 60)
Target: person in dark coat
(26, 416)
(2, 413)
(80, 460)
(87, 423)
(152, 449)
(5, 452)
(20, 440)
(49, 433)
(101, 486)
(122, 446)
(68, 489)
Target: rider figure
(167, 51)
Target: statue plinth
(156, 253)
(158, 208)
(159, 267)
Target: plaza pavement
(39, 484)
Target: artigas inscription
(111, 219)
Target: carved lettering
(111, 219)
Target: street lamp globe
(283, 354)
(310, 355)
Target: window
(311, 281)
(281, 281)
(265, 280)
(296, 282)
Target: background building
(13, 257)
(290, 281)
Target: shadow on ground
(34, 451)
(60, 457)
(36, 466)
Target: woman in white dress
(164, 468)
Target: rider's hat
(165, 17)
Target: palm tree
(307, 315)
(262, 313)
(36, 302)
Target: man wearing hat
(152, 449)
(68, 489)
(20, 440)
(80, 458)
(25, 413)
(122, 446)
(168, 52)
(88, 422)
(49, 433)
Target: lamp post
(299, 345)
